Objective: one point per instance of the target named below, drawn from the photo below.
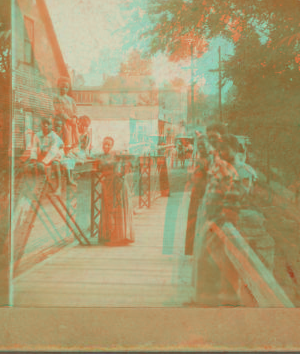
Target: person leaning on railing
(212, 271)
(198, 181)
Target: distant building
(132, 110)
(37, 65)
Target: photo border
(149, 329)
(146, 329)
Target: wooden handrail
(260, 281)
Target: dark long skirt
(117, 228)
(196, 198)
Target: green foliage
(135, 65)
(264, 69)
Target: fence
(43, 223)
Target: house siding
(34, 85)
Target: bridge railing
(43, 223)
(257, 285)
(146, 180)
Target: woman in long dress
(116, 213)
(65, 107)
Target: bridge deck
(153, 271)
(148, 273)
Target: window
(28, 40)
(28, 130)
(87, 97)
(141, 132)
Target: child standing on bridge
(65, 106)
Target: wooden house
(37, 65)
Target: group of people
(221, 187)
(222, 180)
(64, 141)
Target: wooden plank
(258, 278)
(35, 299)
(103, 289)
(119, 264)
(109, 277)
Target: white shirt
(46, 147)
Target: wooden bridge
(152, 272)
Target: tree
(5, 55)
(5, 84)
(5, 80)
(264, 68)
(135, 65)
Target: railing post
(71, 196)
(140, 182)
(96, 205)
(92, 203)
(149, 181)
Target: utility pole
(192, 83)
(220, 85)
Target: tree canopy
(264, 69)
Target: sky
(96, 35)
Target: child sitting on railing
(76, 155)
(81, 154)
(45, 152)
(84, 123)
(63, 155)
(58, 127)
